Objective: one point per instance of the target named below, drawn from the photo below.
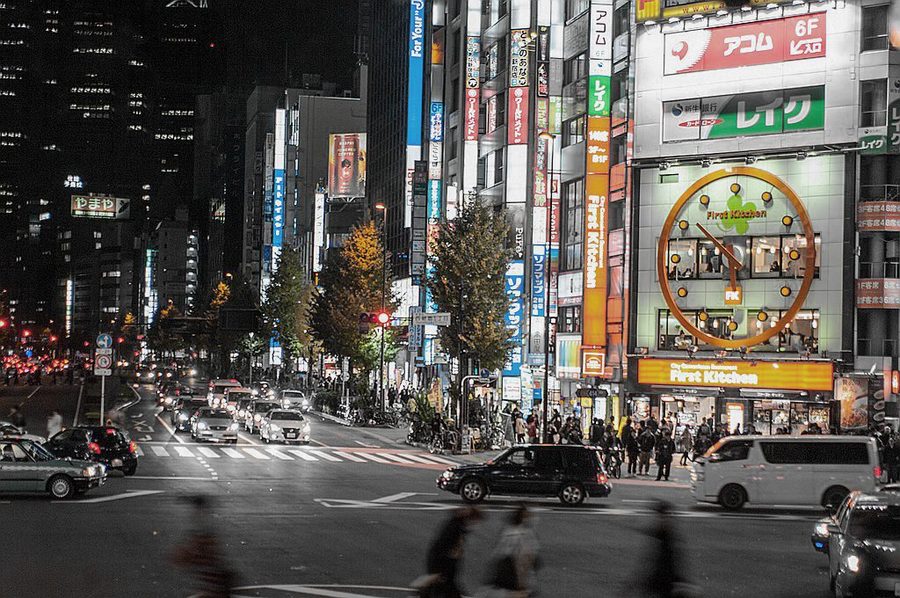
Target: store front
(771, 396)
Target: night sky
(318, 35)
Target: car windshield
(244, 403)
(875, 522)
(215, 414)
(107, 436)
(287, 416)
(239, 396)
(294, 394)
(265, 407)
(37, 452)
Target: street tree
(467, 280)
(286, 310)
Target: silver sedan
(215, 425)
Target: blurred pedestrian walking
(664, 578)
(54, 423)
(444, 556)
(515, 560)
(201, 555)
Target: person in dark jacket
(596, 432)
(445, 554)
(646, 443)
(663, 574)
(629, 441)
(665, 448)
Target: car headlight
(242, 413)
(202, 425)
(233, 427)
(87, 472)
(274, 428)
(182, 417)
(447, 475)
(193, 372)
(305, 403)
(231, 408)
(257, 417)
(822, 529)
(254, 392)
(853, 562)
(285, 403)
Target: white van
(785, 470)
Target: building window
(618, 149)
(616, 215)
(672, 336)
(873, 103)
(575, 8)
(570, 318)
(763, 257)
(573, 225)
(575, 69)
(573, 131)
(498, 166)
(454, 95)
(875, 28)
(452, 144)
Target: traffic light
(3, 323)
(377, 318)
(383, 317)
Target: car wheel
(130, 469)
(732, 497)
(571, 494)
(265, 438)
(61, 487)
(834, 496)
(472, 490)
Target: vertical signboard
(515, 285)
(318, 230)
(596, 221)
(517, 111)
(414, 100)
(473, 83)
(893, 116)
(347, 165)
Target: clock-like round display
(683, 221)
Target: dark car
(570, 472)
(101, 444)
(862, 541)
(184, 409)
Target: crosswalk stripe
(418, 459)
(372, 457)
(183, 451)
(439, 459)
(279, 454)
(325, 456)
(396, 458)
(302, 454)
(256, 454)
(208, 452)
(350, 457)
(233, 453)
(160, 451)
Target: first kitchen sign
(747, 375)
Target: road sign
(103, 365)
(438, 319)
(104, 341)
(103, 352)
(591, 393)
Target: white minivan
(785, 470)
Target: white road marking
(128, 494)
(256, 454)
(375, 458)
(418, 459)
(321, 590)
(246, 438)
(394, 497)
(169, 430)
(302, 454)
(350, 457)
(170, 477)
(208, 452)
(276, 453)
(183, 451)
(396, 458)
(324, 455)
(365, 444)
(160, 451)
(440, 460)
(233, 453)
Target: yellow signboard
(744, 374)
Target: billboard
(750, 375)
(318, 231)
(741, 115)
(102, 207)
(656, 10)
(878, 216)
(347, 165)
(473, 82)
(595, 262)
(518, 57)
(760, 42)
(278, 210)
(515, 317)
(517, 110)
(416, 67)
(878, 293)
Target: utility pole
(545, 410)
(384, 267)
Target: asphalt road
(352, 515)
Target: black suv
(184, 409)
(570, 472)
(103, 444)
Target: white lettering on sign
(418, 29)
(724, 374)
(748, 44)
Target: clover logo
(735, 219)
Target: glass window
(802, 334)
(681, 261)
(498, 166)
(672, 336)
(521, 457)
(875, 522)
(794, 255)
(710, 263)
(573, 131)
(573, 225)
(548, 459)
(616, 215)
(873, 103)
(576, 7)
(875, 28)
(575, 69)
(766, 254)
(570, 318)
(730, 450)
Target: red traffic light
(26, 333)
(3, 323)
(120, 340)
(383, 318)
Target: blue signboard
(514, 318)
(278, 212)
(416, 67)
(436, 123)
(538, 280)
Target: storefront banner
(435, 159)
(514, 318)
(872, 141)
(593, 362)
(878, 293)
(744, 374)
(761, 113)
(598, 95)
(542, 148)
(538, 280)
(515, 240)
(597, 145)
(568, 354)
(853, 396)
(543, 62)
(473, 99)
(747, 44)
(601, 30)
(517, 115)
(878, 216)
(518, 57)
(553, 279)
(278, 208)
(512, 389)
(318, 230)
(893, 116)
(595, 261)
(491, 124)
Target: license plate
(290, 435)
(116, 463)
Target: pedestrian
(653, 425)
(596, 432)
(646, 443)
(201, 555)
(629, 440)
(444, 556)
(532, 428)
(663, 577)
(54, 423)
(515, 560)
(16, 417)
(665, 448)
(687, 443)
(520, 426)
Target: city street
(355, 508)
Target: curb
(334, 418)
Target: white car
(284, 425)
(8, 430)
(295, 399)
(216, 394)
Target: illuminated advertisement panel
(595, 264)
(878, 216)
(99, 206)
(318, 231)
(416, 65)
(347, 165)
(473, 99)
(514, 317)
(518, 57)
(278, 208)
(760, 42)
(655, 10)
(517, 111)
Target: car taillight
(94, 448)
(876, 471)
(132, 447)
(601, 478)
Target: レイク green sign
(765, 113)
(598, 95)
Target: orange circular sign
(666, 235)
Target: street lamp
(384, 213)
(547, 136)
